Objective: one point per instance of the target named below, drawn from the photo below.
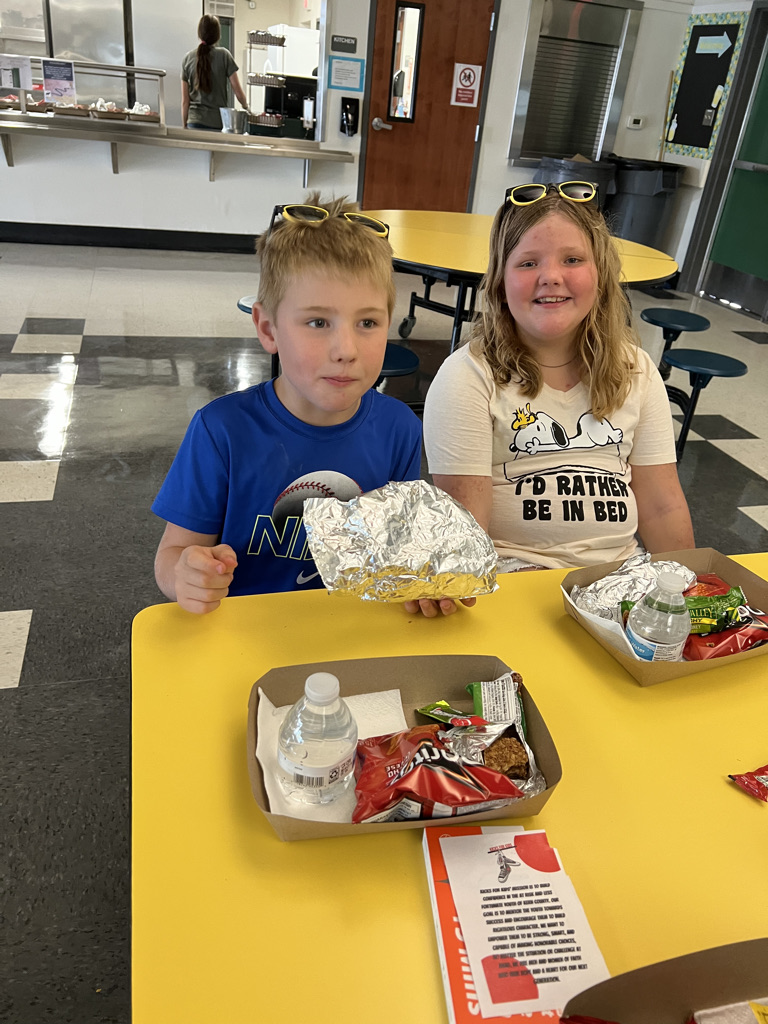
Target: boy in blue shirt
(233, 497)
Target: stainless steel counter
(145, 133)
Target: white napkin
(375, 714)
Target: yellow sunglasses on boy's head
(576, 191)
(316, 215)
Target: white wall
(348, 18)
(166, 189)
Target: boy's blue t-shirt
(246, 464)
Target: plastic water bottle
(317, 743)
(659, 624)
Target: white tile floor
(28, 481)
(14, 629)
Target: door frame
(365, 115)
(728, 142)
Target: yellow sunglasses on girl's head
(316, 215)
(576, 191)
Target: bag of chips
(429, 772)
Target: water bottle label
(316, 776)
(649, 650)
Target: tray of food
(70, 110)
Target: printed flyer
(528, 942)
(459, 985)
(59, 81)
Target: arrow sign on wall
(714, 44)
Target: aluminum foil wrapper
(630, 582)
(471, 742)
(402, 542)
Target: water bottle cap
(321, 688)
(671, 582)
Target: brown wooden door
(426, 164)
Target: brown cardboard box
(670, 991)
(700, 560)
(420, 680)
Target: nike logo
(301, 578)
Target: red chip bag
(414, 774)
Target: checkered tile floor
(100, 372)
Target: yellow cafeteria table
(453, 248)
(231, 926)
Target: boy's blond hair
(334, 246)
(605, 340)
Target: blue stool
(398, 361)
(702, 367)
(673, 322)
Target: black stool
(398, 361)
(702, 367)
(673, 322)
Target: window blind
(569, 97)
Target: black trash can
(600, 172)
(641, 206)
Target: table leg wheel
(406, 326)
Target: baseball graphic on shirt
(324, 483)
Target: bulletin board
(702, 81)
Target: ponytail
(209, 33)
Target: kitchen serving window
(574, 74)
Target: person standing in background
(204, 76)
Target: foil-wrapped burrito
(630, 582)
(402, 542)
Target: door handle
(377, 124)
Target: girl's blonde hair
(605, 341)
(333, 246)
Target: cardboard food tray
(700, 560)
(420, 679)
(668, 992)
(67, 111)
(144, 117)
(111, 115)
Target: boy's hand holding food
(431, 609)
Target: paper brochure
(527, 945)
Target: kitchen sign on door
(466, 85)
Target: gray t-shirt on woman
(204, 106)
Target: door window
(405, 61)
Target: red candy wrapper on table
(755, 782)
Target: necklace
(546, 366)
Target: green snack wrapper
(443, 712)
(498, 700)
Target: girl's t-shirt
(561, 479)
(204, 106)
